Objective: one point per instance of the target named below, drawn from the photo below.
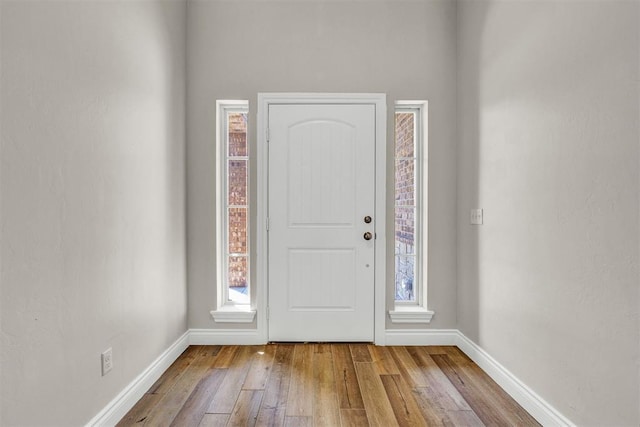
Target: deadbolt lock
(367, 219)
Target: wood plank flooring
(325, 385)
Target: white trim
(422, 336)
(223, 305)
(539, 408)
(401, 311)
(225, 337)
(410, 314)
(377, 99)
(233, 314)
(129, 396)
(262, 243)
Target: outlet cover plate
(107, 361)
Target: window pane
(405, 227)
(237, 230)
(237, 170)
(406, 195)
(405, 180)
(405, 146)
(238, 277)
(233, 201)
(405, 275)
(237, 125)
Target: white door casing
(323, 280)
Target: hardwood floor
(325, 385)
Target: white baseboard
(421, 336)
(225, 337)
(540, 409)
(123, 402)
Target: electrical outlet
(107, 361)
(476, 217)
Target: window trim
(227, 311)
(416, 311)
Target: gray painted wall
(404, 49)
(92, 190)
(548, 108)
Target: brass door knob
(367, 236)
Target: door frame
(379, 100)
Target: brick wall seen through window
(237, 209)
(405, 206)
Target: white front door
(321, 191)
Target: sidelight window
(410, 212)
(407, 170)
(232, 152)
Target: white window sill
(410, 314)
(233, 314)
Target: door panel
(328, 278)
(321, 186)
(321, 155)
